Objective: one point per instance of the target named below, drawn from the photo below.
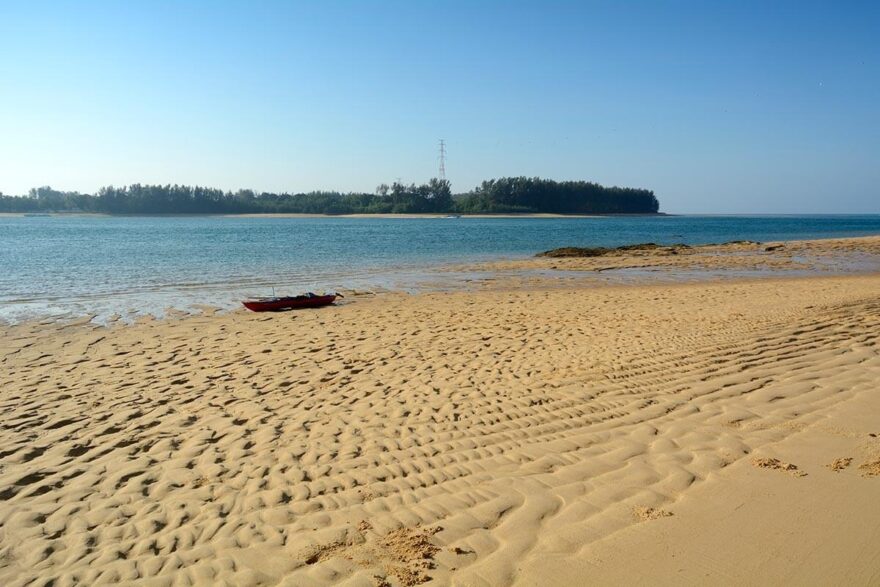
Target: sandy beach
(722, 432)
(381, 216)
(431, 215)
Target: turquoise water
(69, 266)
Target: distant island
(497, 196)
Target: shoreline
(437, 215)
(211, 312)
(303, 215)
(627, 266)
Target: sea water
(66, 266)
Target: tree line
(504, 195)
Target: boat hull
(278, 304)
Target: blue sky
(723, 107)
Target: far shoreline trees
(504, 195)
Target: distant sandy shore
(404, 216)
(720, 432)
(23, 214)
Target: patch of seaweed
(603, 251)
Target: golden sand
(661, 434)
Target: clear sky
(717, 106)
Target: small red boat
(309, 300)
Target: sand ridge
(461, 438)
(823, 255)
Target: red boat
(309, 300)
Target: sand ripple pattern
(445, 437)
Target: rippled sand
(723, 433)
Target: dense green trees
(510, 194)
(533, 194)
(45, 199)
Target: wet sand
(823, 255)
(723, 432)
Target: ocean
(69, 266)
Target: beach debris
(776, 464)
(603, 251)
(406, 554)
(840, 464)
(870, 468)
(645, 514)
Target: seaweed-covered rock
(576, 252)
(602, 251)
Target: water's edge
(65, 268)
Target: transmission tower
(442, 173)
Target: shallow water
(71, 266)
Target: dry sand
(723, 433)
